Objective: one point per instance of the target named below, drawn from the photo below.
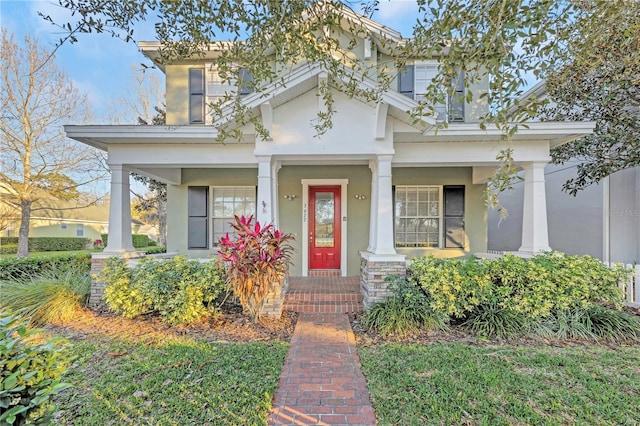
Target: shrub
(595, 322)
(492, 320)
(155, 250)
(54, 295)
(138, 240)
(531, 288)
(180, 290)
(507, 295)
(255, 261)
(455, 287)
(51, 243)
(29, 373)
(8, 249)
(22, 268)
(406, 312)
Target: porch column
(373, 217)
(535, 233)
(265, 207)
(381, 232)
(119, 241)
(275, 168)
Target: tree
(153, 204)
(509, 41)
(36, 159)
(144, 91)
(602, 84)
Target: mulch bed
(230, 326)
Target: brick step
(324, 307)
(323, 297)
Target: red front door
(324, 227)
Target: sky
(100, 65)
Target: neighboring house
(603, 220)
(375, 190)
(57, 218)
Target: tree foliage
(507, 41)
(601, 83)
(37, 161)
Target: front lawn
(449, 383)
(173, 380)
(49, 253)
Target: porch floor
(324, 295)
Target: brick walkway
(322, 382)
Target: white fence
(632, 289)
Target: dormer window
(207, 87)
(414, 81)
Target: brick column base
(374, 269)
(274, 300)
(98, 263)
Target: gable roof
(385, 38)
(304, 78)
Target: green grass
(178, 381)
(49, 253)
(456, 384)
(56, 253)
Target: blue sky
(100, 65)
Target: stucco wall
(576, 224)
(177, 94)
(56, 231)
(358, 211)
(475, 216)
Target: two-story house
(376, 189)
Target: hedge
(49, 243)
(16, 268)
(8, 248)
(138, 240)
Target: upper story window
(207, 87)
(414, 81)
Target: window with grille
(227, 202)
(418, 216)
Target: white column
(373, 217)
(265, 190)
(382, 208)
(535, 233)
(119, 212)
(275, 168)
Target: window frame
(440, 217)
(200, 91)
(80, 230)
(214, 241)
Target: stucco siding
(56, 230)
(358, 211)
(177, 94)
(577, 223)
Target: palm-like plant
(256, 260)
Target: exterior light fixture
(290, 197)
(360, 196)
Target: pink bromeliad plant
(256, 260)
